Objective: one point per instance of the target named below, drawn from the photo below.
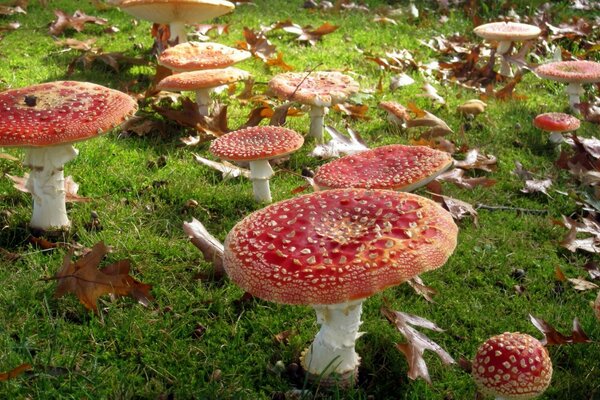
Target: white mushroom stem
(332, 351)
(46, 184)
(502, 50)
(177, 30)
(203, 100)
(556, 138)
(317, 115)
(575, 91)
(260, 173)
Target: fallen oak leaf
(537, 185)
(457, 208)
(76, 21)
(582, 284)
(339, 144)
(417, 342)
(553, 337)
(456, 176)
(88, 283)
(475, 160)
(420, 288)
(14, 372)
(227, 169)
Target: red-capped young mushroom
(176, 13)
(317, 89)
(575, 73)
(46, 119)
(556, 123)
(257, 145)
(512, 366)
(395, 167)
(332, 249)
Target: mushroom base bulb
(331, 359)
(46, 184)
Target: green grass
(134, 352)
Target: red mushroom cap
(333, 246)
(320, 88)
(507, 31)
(192, 56)
(203, 79)
(60, 112)
(556, 122)
(512, 366)
(256, 143)
(579, 71)
(396, 167)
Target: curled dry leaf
(537, 185)
(88, 283)
(417, 342)
(457, 208)
(227, 169)
(553, 337)
(587, 226)
(339, 144)
(475, 160)
(432, 93)
(582, 284)
(76, 21)
(420, 288)
(457, 177)
(212, 249)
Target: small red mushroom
(556, 123)
(46, 119)
(257, 145)
(318, 89)
(512, 366)
(332, 249)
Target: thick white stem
(556, 138)
(317, 115)
(502, 50)
(203, 100)
(178, 31)
(575, 91)
(46, 184)
(332, 351)
(260, 173)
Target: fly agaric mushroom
(397, 113)
(332, 249)
(176, 13)
(556, 123)
(512, 366)
(319, 90)
(202, 82)
(191, 56)
(505, 33)
(395, 167)
(575, 73)
(46, 119)
(257, 145)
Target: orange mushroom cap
(203, 79)
(192, 56)
(514, 366)
(337, 245)
(60, 112)
(579, 71)
(396, 167)
(256, 143)
(512, 31)
(168, 11)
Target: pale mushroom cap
(388, 167)
(203, 79)
(508, 31)
(395, 109)
(168, 11)
(319, 88)
(556, 122)
(513, 366)
(256, 143)
(60, 112)
(333, 246)
(580, 71)
(192, 56)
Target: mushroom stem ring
(46, 183)
(317, 115)
(575, 91)
(260, 173)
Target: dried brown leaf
(211, 248)
(553, 337)
(14, 372)
(76, 21)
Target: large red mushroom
(333, 249)
(46, 119)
